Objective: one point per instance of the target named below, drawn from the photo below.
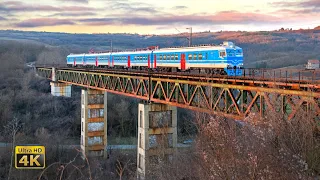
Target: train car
(75, 60)
(214, 59)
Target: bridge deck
(257, 91)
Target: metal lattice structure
(224, 96)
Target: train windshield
(239, 52)
(230, 52)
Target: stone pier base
(93, 122)
(157, 136)
(60, 89)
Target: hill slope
(272, 49)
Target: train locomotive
(224, 59)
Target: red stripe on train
(148, 61)
(129, 61)
(155, 61)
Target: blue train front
(212, 59)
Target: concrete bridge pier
(157, 136)
(93, 122)
(57, 88)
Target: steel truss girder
(228, 100)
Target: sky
(157, 16)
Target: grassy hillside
(272, 49)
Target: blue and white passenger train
(217, 59)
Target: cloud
(224, 17)
(75, 1)
(17, 6)
(78, 8)
(15, 3)
(295, 12)
(2, 18)
(73, 14)
(14, 6)
(40, 22)
(180, 7)
(301, 4)
(311, 3)
(295, 9)
(135, 7)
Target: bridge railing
(286, 75)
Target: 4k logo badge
(30, 157)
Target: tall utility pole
(190, 36)
(111, 46)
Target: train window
(238, 52)
(176, 56)
(172, 56)
(160, 57)
(195, 56)
(140, 57)
(190, 56)
(200, 56)
(222, 53)
(164, 57)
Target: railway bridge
(256, 91)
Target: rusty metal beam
(232, 98)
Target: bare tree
(12, 128)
